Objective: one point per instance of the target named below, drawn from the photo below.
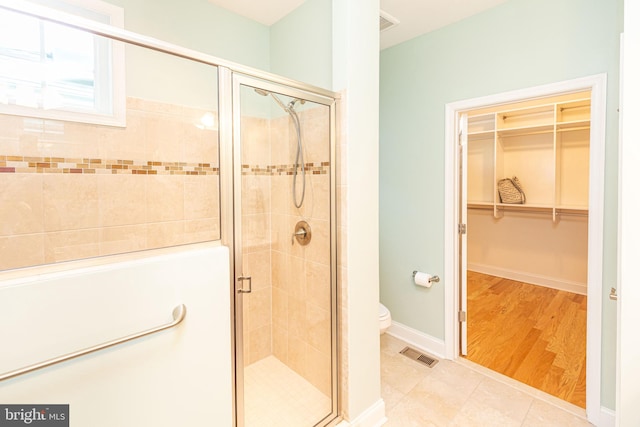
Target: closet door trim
(597, 85)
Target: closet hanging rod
(575, 107)
(513, 132)
(573, 128)
(179, 313)
(561, 213)
(535, 113)
(548, 111)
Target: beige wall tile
(201, 145)
(257, 308)
(256, 148)
(201, 230)
(288, 274)
(69, 245)
(256, 232)
(122, 200)
(318, 284)
(297, 318)
(280, 131)
(70, 201)
(79, 202)
(10, 136)
(296, 285)
(317, 198)
(21, 251)
(318, 250)
(125, 143)
(116, 240)
(21, 205)
(162, 141)
(297, 355)
(279, 271)
(164, 197)
(318, 370)
(256, 194)
(201, 196)
(259, 343)
(75, 140)
(258, 266)
(280, 344)
(281, 196)
(280, 310)
(318, 328)
(164, 234)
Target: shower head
(266, 92)
(288, 108)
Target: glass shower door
(284, 256)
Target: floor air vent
(429, 361)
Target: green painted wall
(202, 26)
(300, 44)
(518, 44)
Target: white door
(462, 232)
(628, 371)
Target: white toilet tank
(385, 319)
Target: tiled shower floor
(276, 396)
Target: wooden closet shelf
(530, 208)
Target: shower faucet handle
(300, 232)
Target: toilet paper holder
(434, 279)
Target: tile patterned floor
(275, 396)
(462, 394)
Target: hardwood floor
(530, 333)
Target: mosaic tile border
(24, 164)
(273, 170)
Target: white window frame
(114, 16)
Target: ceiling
(416, 16)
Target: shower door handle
(241, 290)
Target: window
(49, 70)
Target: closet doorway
(528, 269)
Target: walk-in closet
(527, 255)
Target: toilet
(385, 319)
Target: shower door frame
(231, 205)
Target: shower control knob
(302, 233)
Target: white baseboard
(607, 418)
(373, 416)
(418, 339)
(520, 276)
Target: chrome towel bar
(179, 313)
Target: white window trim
(115, 14)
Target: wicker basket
(510, 191)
